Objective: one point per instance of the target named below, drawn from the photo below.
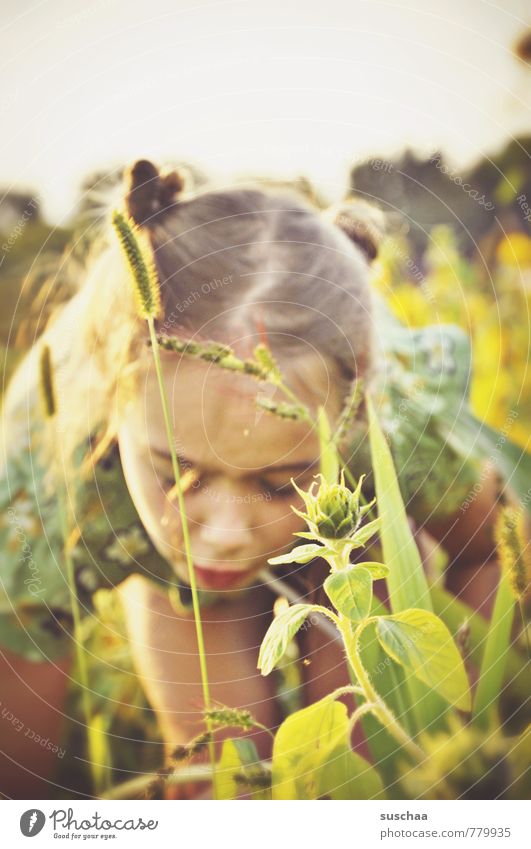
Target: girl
(237, 266)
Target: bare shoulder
(468, 534)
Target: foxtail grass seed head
(263, 356)
(179, 346)
(513, 550)
(194, 747)
(224, 717)
(156, 788)
(47, 383)
(212, 352)
(350, 409)
(282, 409)
(334, 511)
(254, 777)
(141, 266)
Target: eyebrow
(291, 467)
(164, 454)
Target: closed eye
(285, 490)
(279, 491)
(186, 468)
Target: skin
(32, 699)
(238, 461)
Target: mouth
(209, 577)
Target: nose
(226, 526)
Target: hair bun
(362, 222)
(149, 192)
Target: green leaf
(453, 612)
(423, 645)
(319, 725)
(407, 583)
(300, 554)
(377, 570)
(279, 635)
(235, 754)
(329, 460)
(494, 660)
(408, 586)
(312, 757)
(388, 678)
(350, 591)
(365, 533)
(339, 773)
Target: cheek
(277, 522)
(144, 487)
(151, 505)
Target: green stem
(348, 690)
(192, 773)
(293, 398)
(81, 660)
(264, 728)
(378, 706)
(366, 707)
(135, 786)
(187, 545)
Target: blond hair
(236, 265)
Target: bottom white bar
(349, 824)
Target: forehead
(216, 420)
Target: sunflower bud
(334, 511)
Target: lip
(217, 579)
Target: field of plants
(440, 691)
(429, 733)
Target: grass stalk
(146, 290)
(133, 788)
(48, 392)
(186, 540)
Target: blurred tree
(28, 246)
(480, 204)
(522, 47)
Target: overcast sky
(266, 86)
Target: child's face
(236, 464)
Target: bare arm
(468, 537)
(31, 717)
(165, 652)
